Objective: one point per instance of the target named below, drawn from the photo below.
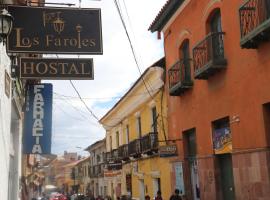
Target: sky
(74, 128)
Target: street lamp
(6, 22)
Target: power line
(89, 110)
(102, 98)
(74, 107)
(131, 46)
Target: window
(139, 127)
(110, 143)
(266, 117)
(98, 158)
(127, 134)
(185, 57)
(217, 39)
(154, 119)
(117, 139)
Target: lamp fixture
(6, 22)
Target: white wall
(5, 120)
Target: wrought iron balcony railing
(149, 143)
(109, 156)
(123, 152)
(114, 166)
(254, 22)
(115, 155)
(134, 148)
(96, 170)
(208, 56)
(180, 77)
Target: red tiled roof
(165, 14)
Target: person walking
(147, 197)
(158, 196)
(176, 195)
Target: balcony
(149, 143)
(92, 172)
(123, 152)
(134, 148)
(180, 77)
(254, 23)
(109, 157)
(114, 166)
(115, 155)
(96, 171)
(208, 56)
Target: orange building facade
(218, 72)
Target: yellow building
(135, 129)
(82, 169)
(69, 181)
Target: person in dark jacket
(176, 195)
(158, 197)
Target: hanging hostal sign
(56, 68)
(55, 30)
(38, 119)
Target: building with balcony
(98, 184)
(218, 64)
(136, 127)
(58, 171)
(82, 175)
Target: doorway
(226, 176)
(190, 149)
(156, 186)
(141, 186)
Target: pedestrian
(158, 196)
(176, 195)
(147, 197)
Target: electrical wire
(132, 31)
(101, 98)
(76, 118)
(88, 109)
(131, 46)
(74, 107)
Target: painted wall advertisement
(38, 119)
(222, 140)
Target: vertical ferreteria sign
(38, 119)
(55, 30)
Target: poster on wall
(38, 119)
(222, 140)
(179, 177)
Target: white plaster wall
(5, 118)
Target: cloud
(114, 72)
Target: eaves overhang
(159, 64)
(165, 15)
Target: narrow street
(135, 100)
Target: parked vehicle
(57, 196)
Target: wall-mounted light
(6, 21)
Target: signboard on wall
(222, 140)
(167, 150)
(55, 30)
(56, 68)
(38, 119)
